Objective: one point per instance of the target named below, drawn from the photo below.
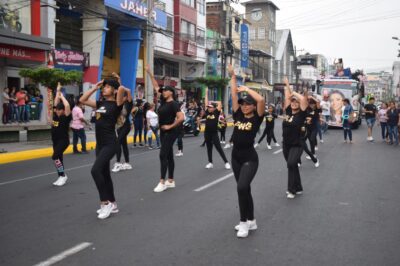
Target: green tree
(49, 77)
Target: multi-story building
(319, 61)
(262, 38)
(396, 80)
(379, 85)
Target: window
(252, 34)
(188, 30)
(170, 24)
(271, 14)
(201, 37)
(190, 3)
(261, 33)
(158, 67)
(237, 25)
(172, 69)
(201, 7)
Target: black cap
(60, 106)
(167, 88)
(247, 99)
(113, 83)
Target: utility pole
(149, 51)
(228, 50)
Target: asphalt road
(349, 213)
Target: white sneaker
(299, 165)
(117, 167)
(209, 166)
(61, 181)
(126, 166)
(227, 146)
(269, 147)
(317, 164)
(252, 225)
(322, 141)
(160, 187)
(223, 142)
(316, 148)
(277, 144)
(299, 193)
(114, 210)
(290, 195)
(308, 157)
(105, 211)
(243, 229)
(169, 184)
(179, 154)
(256, 145)
(227, 166)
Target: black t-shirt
(370, 107)
(106, 117)
(393, 117)
(60, 127)
(312, 118)
(167, 112)
(212, 121)
(128, 109)
(292, 127)
(245, 130)
(139, 115)
(270, 120)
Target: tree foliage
(49, 77)
(213, 82)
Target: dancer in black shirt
(170, 118)
(211, 132)
(293, 130)
(248, 114)
(269, 129)
(107, 112)
(59, 134)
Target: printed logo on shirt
(56, 123)
(211, 117)
(289, 118)
(244, 126)
(101, 110)
(308, 120)
(269, 118)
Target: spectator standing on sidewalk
(59, 134)
(152, 121)
(14, 115)
(78, 128)
(393, 123)
(382, 115)
(370, 116)
(326, 113)
(21, 97)
(6, 106)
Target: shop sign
(244, 45)
(137, 9)
(68, 58)
(22, 53)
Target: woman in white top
(152, 122)
(382, 114)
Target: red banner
(70, 58)
(22, 53)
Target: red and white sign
(22, 53)
(69, 58)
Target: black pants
(101, 171)
(122, 142)
(76, 135)
(180, 140)
(167, 153)
(222, 130)
(59, 146)
(212, 139)
(269, 132)
(138, 130)
(307, 150)
(244, 173)
(292, 156)
(312, 138)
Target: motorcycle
(9, 19)
(190, 127)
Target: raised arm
(219, 106)
(234, 89)
(302, 99)
(259, 99)
(156, 88)
(58, 93)
(288, 93)
(120, 95)
(206, 98)
(85, 98)
(115, 75)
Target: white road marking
(278, 151)
(64, 254)
(78, 167)
(213, 183)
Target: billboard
(244, 46)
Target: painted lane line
(63, 255)
(79, 167)
(213, 183)
(278, 151)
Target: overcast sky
(359, 31)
